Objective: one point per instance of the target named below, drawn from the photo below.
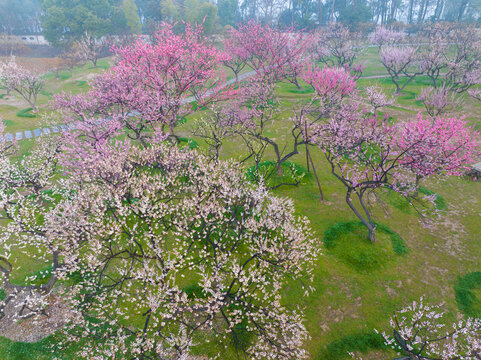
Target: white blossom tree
(90, 48)
(422, 332)
(171, 251)
(21, 80)
(27, 194)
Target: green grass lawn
(358, 284)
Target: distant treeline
(64, 21)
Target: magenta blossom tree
(437, 146)
(236, 54)
(331, 85)
(153, 86)
(173, 251)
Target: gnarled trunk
(366, 219)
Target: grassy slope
(346, 302)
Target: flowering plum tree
(464, 67)
(452, 56)
(19, 79)
(153, 86)
(331, 85)
(433, 56)
(337, 46)
(175, 251)
(89, 48)
(271, 53)
(440, 101)
(255, 108)
(422, 332)
(385, 37)
(221, 122)
(438, 145)
(27, 195)
(374, 96)
(401, 62)
(367, 154)
(236, 55)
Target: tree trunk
(367, 221)
(319, 12)
(439, 9)
(372, 233)
(332, 10)
(462, 9)
(410, 12)
(321, 193)
(416, 191)
(279, 168)
(421, 10)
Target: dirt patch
(35, 327)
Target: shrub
(292, 173)
(467, 301)
(190, 142)
(358, 342)
(26, 113)
(349, 242)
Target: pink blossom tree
(452, 56)
(153, 86)
(174, 252)
(433, 56)
(19, 79)
(383, 36)
(422, 332)
(257, 110)
(236, 55)
(402, 64)
(437, 146)
(464, 67)
(221, 122)
(90, 48)
(374, 96)
(366, 154)
(269, 52)
(331, 85)
(337, 46)
(440, 101)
